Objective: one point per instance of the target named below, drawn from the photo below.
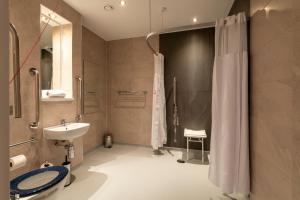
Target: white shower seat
(194, 136)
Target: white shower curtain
(159, 125)
(229, 155)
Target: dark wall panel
(240, 6)
(189, 56)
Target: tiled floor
(134, 173)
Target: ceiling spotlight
(195, 20)
(108, 7)
(123, 3)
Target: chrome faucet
(63, 122)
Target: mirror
(47, 56)
(56, 56)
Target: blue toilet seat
(62, 173)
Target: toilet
(44, 183)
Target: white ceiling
(133, 19)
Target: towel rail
(131, 99)
(127, 92)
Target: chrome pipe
(80, 97)
(34, 72)
(16, 71)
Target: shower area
(200, 98)
(189, 60)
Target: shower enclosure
(189, 58)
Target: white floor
(134, 173)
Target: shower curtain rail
(149, 44)
(178, 29)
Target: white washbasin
(69, 131)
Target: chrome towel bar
(127, 92)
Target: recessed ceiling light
(123, 3)
(195, 20)
(108, 7)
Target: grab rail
(80, 94)
(32, 140)
(35, 72)
(16, 71)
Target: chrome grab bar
(80, 97)
(35, 72)
(16, 71)
(32, 140)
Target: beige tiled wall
(131, 67)
(275, 99)
(94, 52)
(25, 15)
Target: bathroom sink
(68, 131)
